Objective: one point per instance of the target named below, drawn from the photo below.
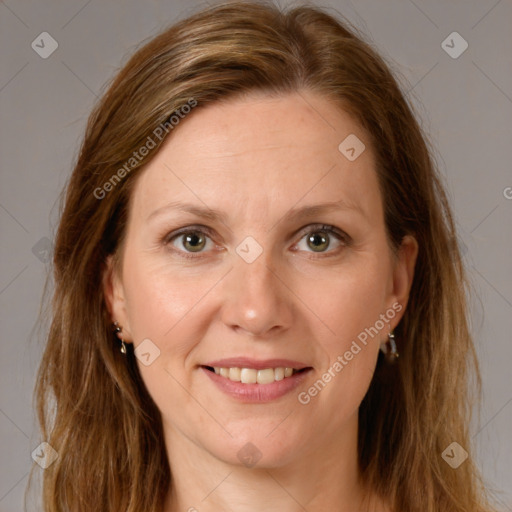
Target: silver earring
(117, 330)
(389, 348)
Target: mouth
(255, 376)
(255, 381)
(251, 380)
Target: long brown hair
(93, 407)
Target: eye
(192, 241)
(321, 238)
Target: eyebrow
(294, 213)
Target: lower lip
(257, 393)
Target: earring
(117, 330)
(389, 349)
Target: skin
(256, 159)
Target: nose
(256, 301)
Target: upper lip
(257, 364)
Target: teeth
(252, 376)
(248, 376)
(235, 374)
(265, 376)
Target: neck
(322, 477)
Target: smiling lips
(253, 376)
(250, 380)
(253, 371)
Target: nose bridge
(256, 300)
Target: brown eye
(323, 239)
(318, 241)
(193, 242)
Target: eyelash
(343, 237)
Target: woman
(259, 301)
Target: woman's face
(256, 242)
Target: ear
(403, 274)
(115, 298)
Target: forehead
(260, 152)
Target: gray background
(465, 104)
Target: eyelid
(195, 228)
(344, 238)
(329, 228)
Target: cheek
(166, 308)
(159, 299)
(350, 301)
(352, 304)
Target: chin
(260, 448)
